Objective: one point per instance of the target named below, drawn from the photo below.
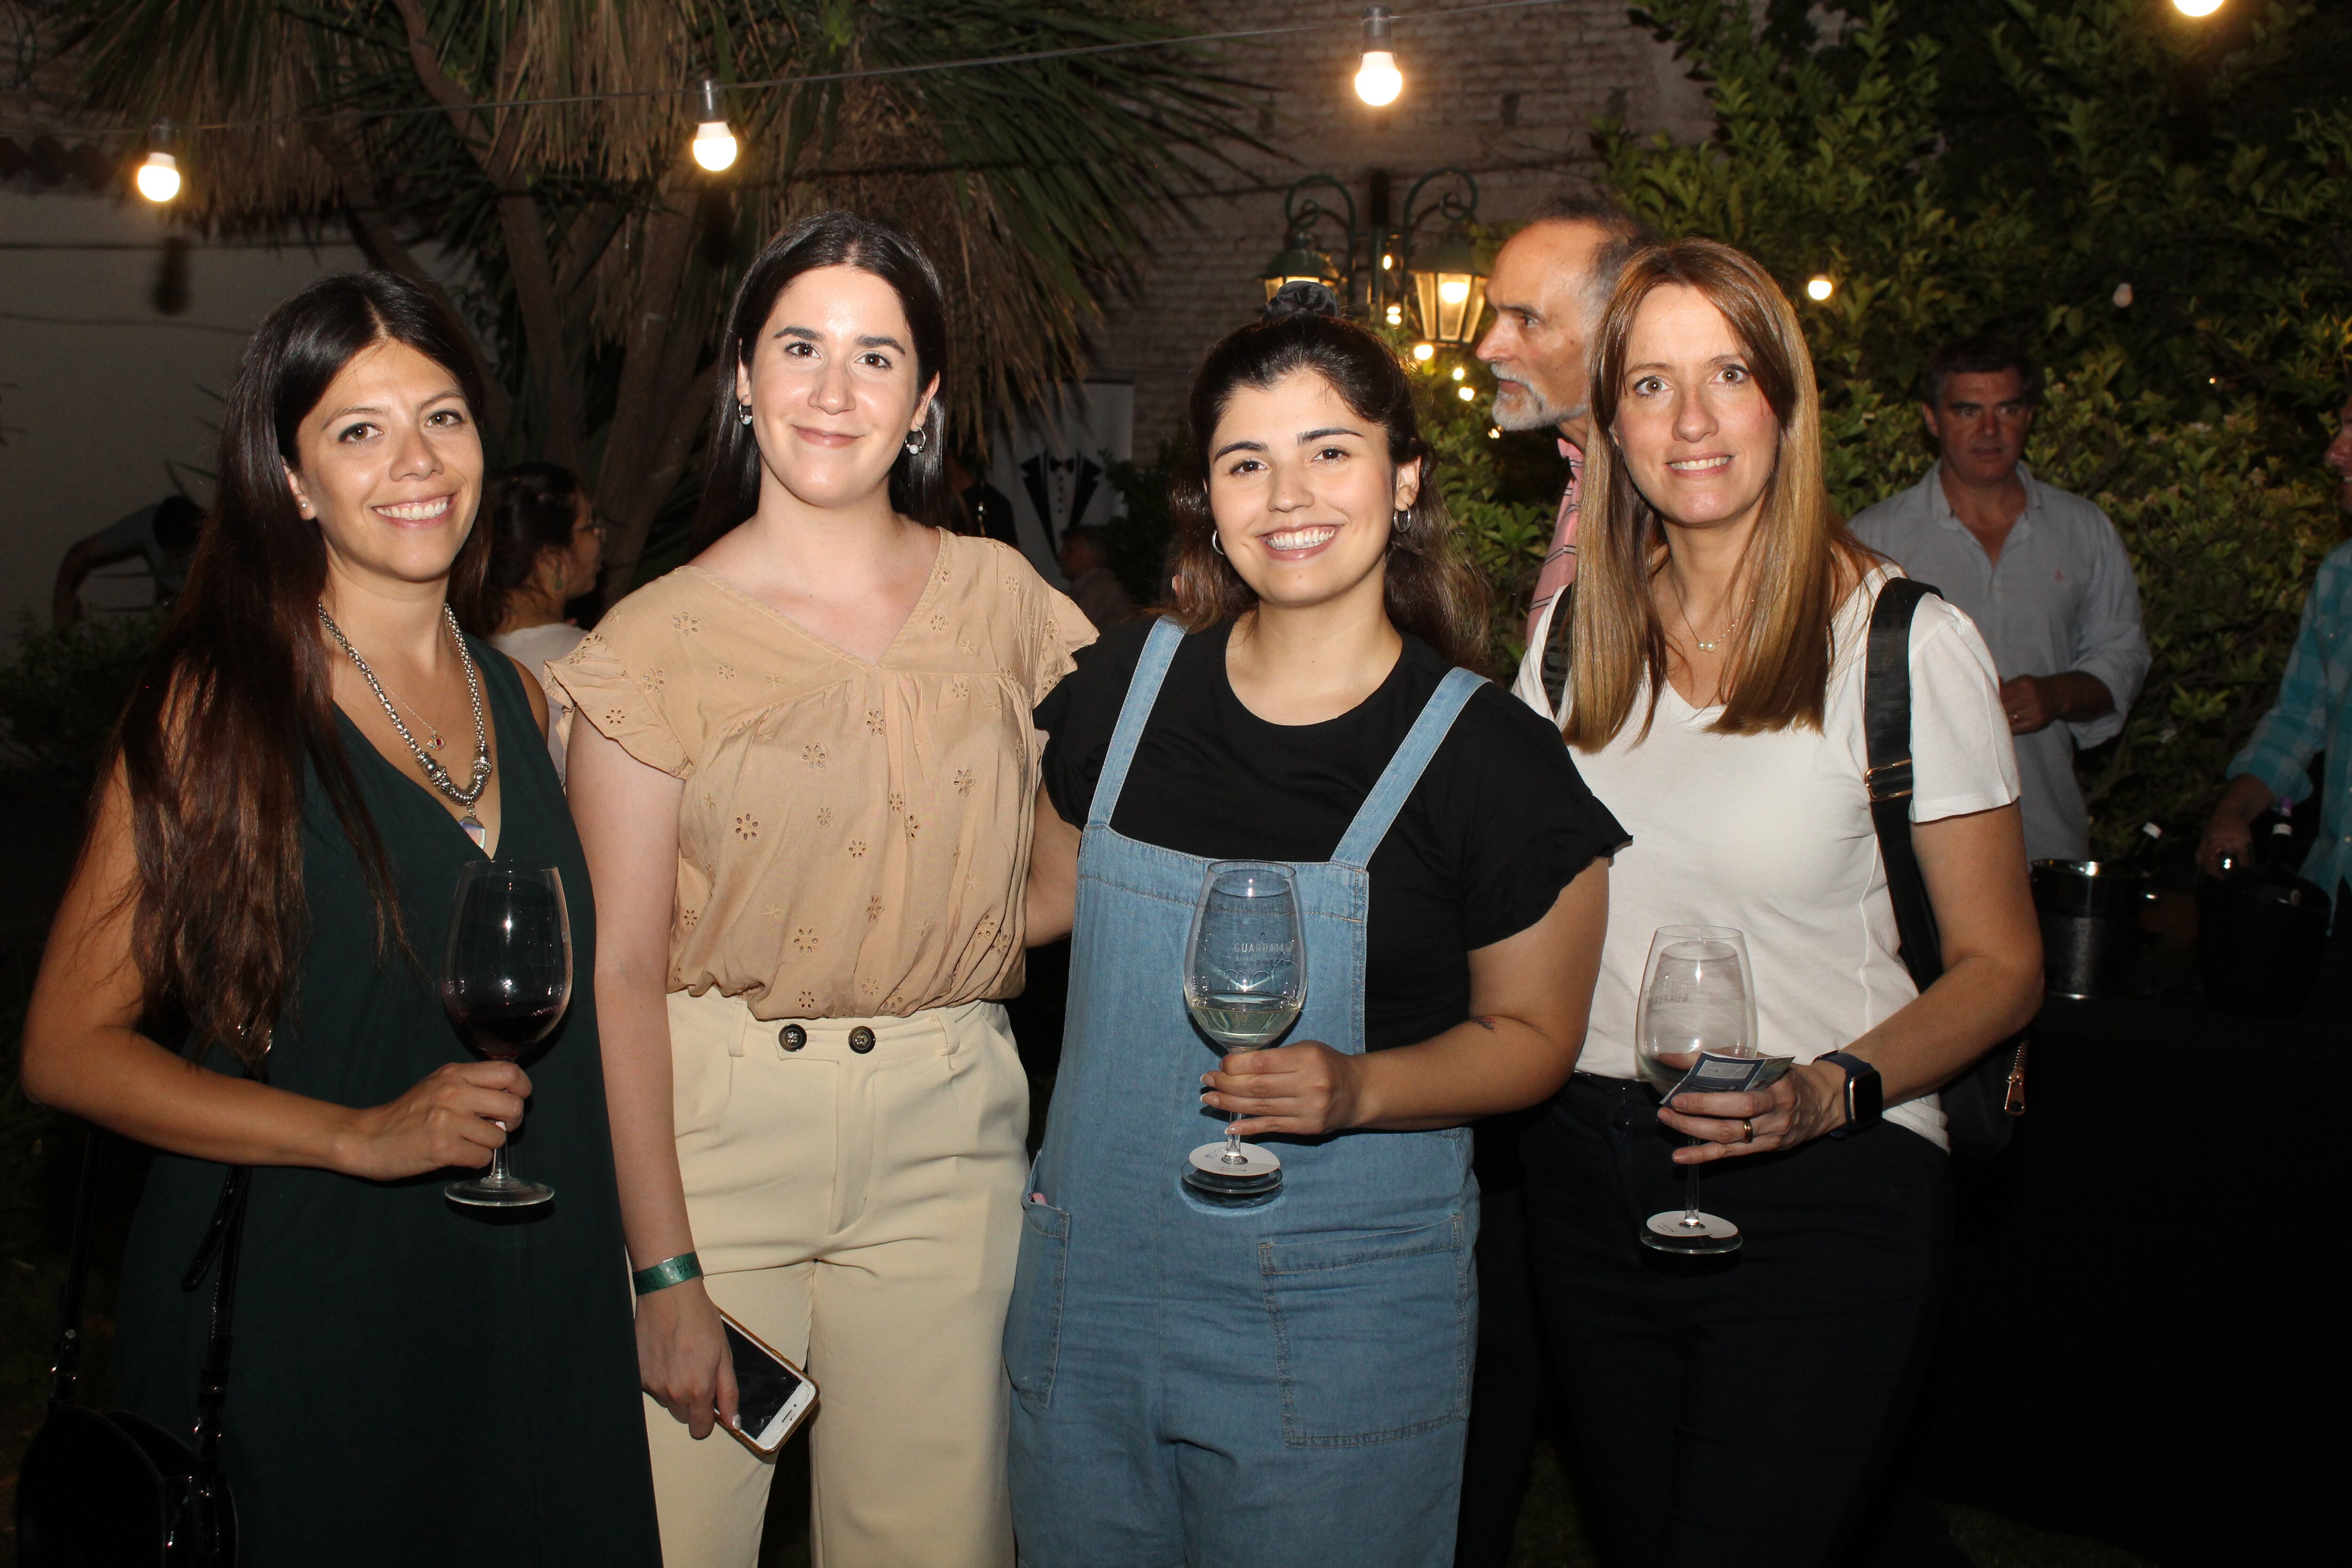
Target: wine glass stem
(1232, 1139)
(1690, 1190)
(498, 1177)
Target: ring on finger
(1746, 1132)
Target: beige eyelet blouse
(853, 837)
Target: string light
(1378, 81)
(1396, 315)
(1820, 287)
(714, 144)
(1424, 352)
(158, 178)
(1469, 394)
(2198, 8)
(1459, 371)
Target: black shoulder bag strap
(199, 1513)
(1886, 741)
(224, 1239)
(1557, 641)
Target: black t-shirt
(1499, 823)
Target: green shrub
(60, 695)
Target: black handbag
(109, 1489)
(1983, 1104)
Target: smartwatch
(1865, 1095)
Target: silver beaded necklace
(439, 775)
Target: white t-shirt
(536, 647)
(1771, 834)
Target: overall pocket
(1372, 1332)
(1033, 1324)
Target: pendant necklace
(1704, 646)
(464, 795)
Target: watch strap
(1863, 1098)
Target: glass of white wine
(1245, 983)
(1697, 994)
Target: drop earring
(916, 441)
(743, 411)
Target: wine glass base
(1210, 1171)
(509, 1193)
(1667, 1231)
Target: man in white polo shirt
(2043, 573)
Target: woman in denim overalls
(1285, 1382)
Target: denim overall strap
(1378, 811)
(1142, 691)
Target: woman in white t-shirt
(546, 547)
(1733, 1410)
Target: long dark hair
(527, 510)
(237, 695)
(919, 486)
(1431, 589)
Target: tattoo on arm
(1484, 1023)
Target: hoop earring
(916, 441)
(743, 411)
(1216, 543)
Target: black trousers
(1736, 1409)
(1512, 1384)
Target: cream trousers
(859, 1211)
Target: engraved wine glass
(1245, 983)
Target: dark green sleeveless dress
(412, 1384)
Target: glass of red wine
(504, 983)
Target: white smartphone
(772, 1395)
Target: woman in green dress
(314, 755)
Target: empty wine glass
(1698, 995)
(1245, 983)
(504, 982)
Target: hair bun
(1301, 298)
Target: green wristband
(669, 1271)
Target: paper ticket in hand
(1713, 1074)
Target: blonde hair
(1776, 672)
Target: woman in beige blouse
(804, 773)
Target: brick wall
(1507, 96)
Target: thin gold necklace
(1682, 607)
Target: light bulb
(1378, 81)
(2122, 296)
(1469, 394)
(1494, 432)
(1396, 315)
(1459, 372)
(1821, 288)
(2197, 7)
(1388, 263)
(1424, 352)
(1454, 291)
(159, 177)
(714, 144)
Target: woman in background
(804, 770)
(546, 545)
(271, 861)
